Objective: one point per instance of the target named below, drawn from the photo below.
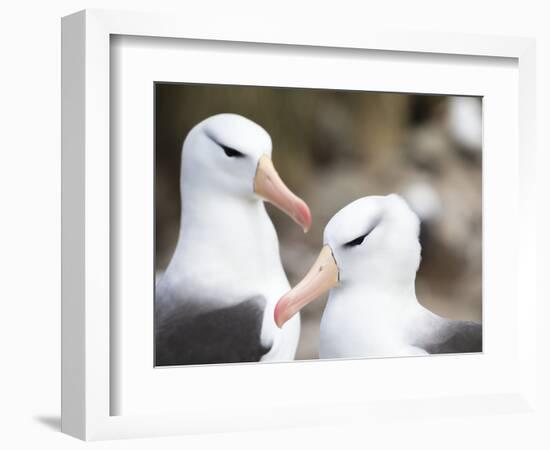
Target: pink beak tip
(305, 216)
(277, 313)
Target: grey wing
(453, 336)
(186, 335)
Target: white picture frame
(87, 383)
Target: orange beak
(269, 186)
(322, 276)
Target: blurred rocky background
(332, 147)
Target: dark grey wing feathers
(454, 336)
(186, 335)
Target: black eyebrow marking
(359, 240)
(229, 151)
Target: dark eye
(356, 241)
(231, 152)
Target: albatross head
(372, 241)
(230, 154)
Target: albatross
(215, 301)
(369, 261)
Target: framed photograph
(266, 228)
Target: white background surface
(30, 186)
